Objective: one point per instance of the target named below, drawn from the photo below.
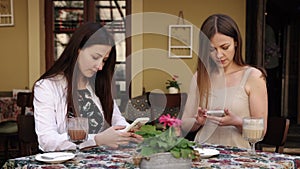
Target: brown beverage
(77, 136)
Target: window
(63, 17)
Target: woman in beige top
(223, 82)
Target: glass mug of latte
(253, 131)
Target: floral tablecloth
(98, 157)
(232, 157)
(229, 157)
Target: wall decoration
(180, 39)
(6, 13)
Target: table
(101, 157)
(234, 158)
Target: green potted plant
(165, 148)
(173, 85)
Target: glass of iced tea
(253, 131)
(78, 128)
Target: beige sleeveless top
(236, 100)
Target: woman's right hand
(112, 137)
(201, 116)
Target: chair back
(165, 103)
(24, 99)
(137, 107)
(277, 130)
(26, 128)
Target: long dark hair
(86, 35)
(216, 23)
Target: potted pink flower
(172, 122)
(165, 146)
(173, 85)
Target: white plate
(206, 152)
(59, 157)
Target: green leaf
(185, 153)
(147, 131)
(163, 145)
(156, 141)
(175, 153)
(146, 151)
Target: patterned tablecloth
(100, 157)
(232, 157)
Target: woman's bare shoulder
(258, 73)
(256, 79)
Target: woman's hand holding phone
(200, 116)
(138, 123)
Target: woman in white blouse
(79, 84)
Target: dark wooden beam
(255, 26)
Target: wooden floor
(292, 151)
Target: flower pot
(165, 160)
(173, 90)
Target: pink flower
(175, 77)
(167, 120)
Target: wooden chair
(8, 132)
(8, 129)
(276, 133)
(26, 129)
(136, 107)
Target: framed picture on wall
(6, 13)
(180, 41)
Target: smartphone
(218, 113)
(137, 123)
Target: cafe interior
(33, 34)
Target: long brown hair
(86, 35)
(217, 23)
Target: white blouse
(50, 109)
